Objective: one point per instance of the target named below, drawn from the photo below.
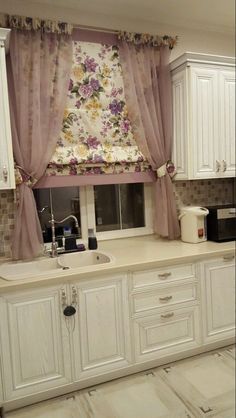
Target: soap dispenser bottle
(92, 240)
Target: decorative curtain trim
(34, 23)
(147, 39)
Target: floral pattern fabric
(147, 39)
(32, 23)
(96, 133)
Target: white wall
(189, 40)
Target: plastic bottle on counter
(92, 240)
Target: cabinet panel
(7, 179)
(179, 94)
(166, 333)
(102, 327)
(218, 285)
(204, 99)
(36, 346)
(158, 298)
(227, 122)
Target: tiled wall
(194, 192)
(7, 210)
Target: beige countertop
(131, 254)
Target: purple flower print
(73, 161)
(85, 91)
(115, 107)
(98, 159)
(70, 85)
(94, 84)
(125, 126)
(92, 142)
(90, 64)
(78, 104)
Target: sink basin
(17, 270)
(83, 259)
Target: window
(114, 211)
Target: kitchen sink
(18, 270)
(83, 259)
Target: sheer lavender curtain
(38, 68)
(147, 85)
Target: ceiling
(212, 15)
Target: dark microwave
(221, 223)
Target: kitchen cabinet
(34, 342)
(7, 178)
(101, 332)
(218, 299)
(203, 116)
(165, 311)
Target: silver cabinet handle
(5, 173)
(217, 166)
(63, 298)
(164, 276)
(165, 298)
(224, 165)
(74, 296)
(228, 257)
(167, 315)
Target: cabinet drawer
(163, 275)
(166, 333)
(162, 297)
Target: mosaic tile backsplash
(193, 192)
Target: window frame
(88, 220)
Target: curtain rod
(95, 29)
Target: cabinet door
(227, 122)
(101, 332)
(7, 179)
(35, 343)
(218, 299)
(204, 123)
(168, 332)
(179, 93)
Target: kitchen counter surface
(131, 254)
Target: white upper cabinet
(204, 116)
(7, 179)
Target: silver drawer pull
(165, 298)
(228, 257)
(167, 315)
(164, 276)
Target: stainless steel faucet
(53, 222)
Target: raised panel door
(35, 352)
(227, 122)
(180, 149)
(218, 304)
(204, 124)
(166, 333)
(101, 328)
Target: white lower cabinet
(101, 330)
(115, 322)
(218, 299)
(166, 333)
(34, 342)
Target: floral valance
(32, 23)
(147, 39)
(96, 136)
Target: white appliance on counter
(193, 224)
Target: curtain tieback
(23, 177)
(167, 168)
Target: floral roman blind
(96, 136)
